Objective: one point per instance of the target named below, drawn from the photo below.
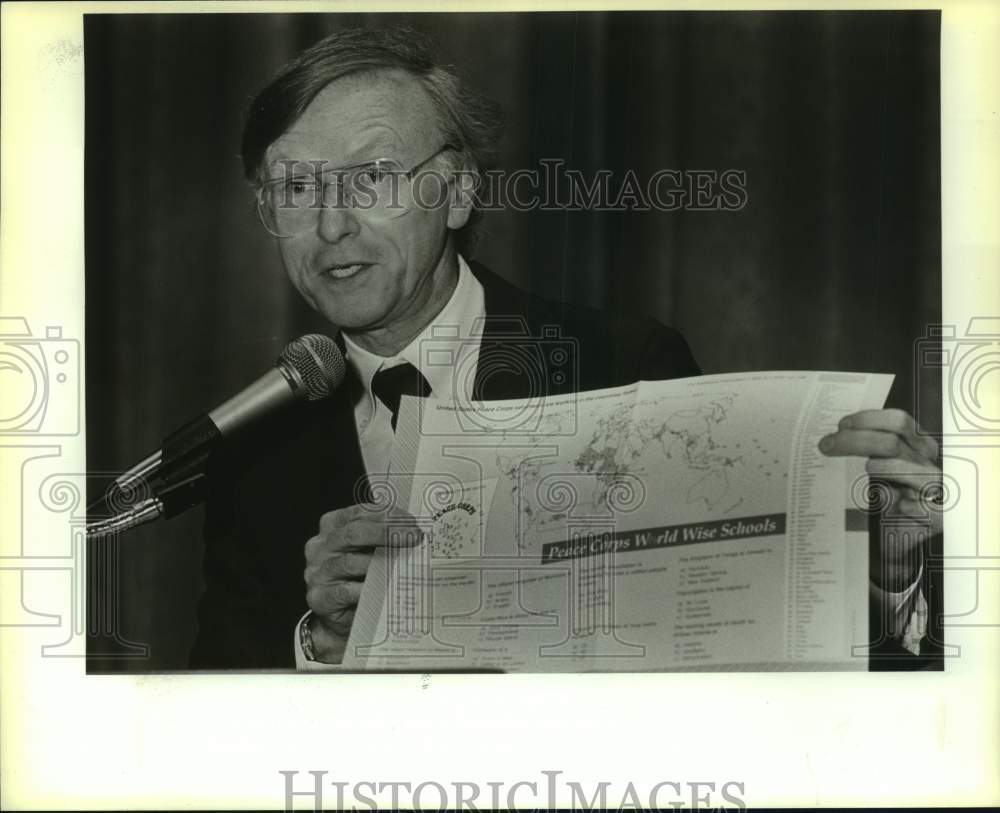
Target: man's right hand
(337, 561)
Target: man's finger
(333, 598)
(366, 512)
(338, 567)
(365, 534)
(868, 443)
(339, 623)
(920, 478)
(922, 516)
(335, 541)
(897, 421)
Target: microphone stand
(175, 477)
(139, 514)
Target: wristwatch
(305, 638)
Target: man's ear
(463, 184)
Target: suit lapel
(349, 479)
(513, 363)
(515, 354)
(505, 368)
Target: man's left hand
(905, 458)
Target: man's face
(364, 271)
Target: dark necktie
(390, 385)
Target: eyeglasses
(290, 206)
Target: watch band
(306, 639)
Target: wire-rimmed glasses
(291, 205)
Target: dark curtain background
(833, 264)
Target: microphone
(175, 476)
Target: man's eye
(372, 176)
(300, 186)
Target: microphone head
(316, 362)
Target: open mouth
(345, 271)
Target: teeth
(345, 271)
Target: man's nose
(336, 222)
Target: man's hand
(905, 459)
(337, 561)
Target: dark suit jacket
(259, 520)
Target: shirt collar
(460, 319)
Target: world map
(616, 460)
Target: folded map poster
(680, 525)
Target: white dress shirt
(446, 352)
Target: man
(345, 147)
